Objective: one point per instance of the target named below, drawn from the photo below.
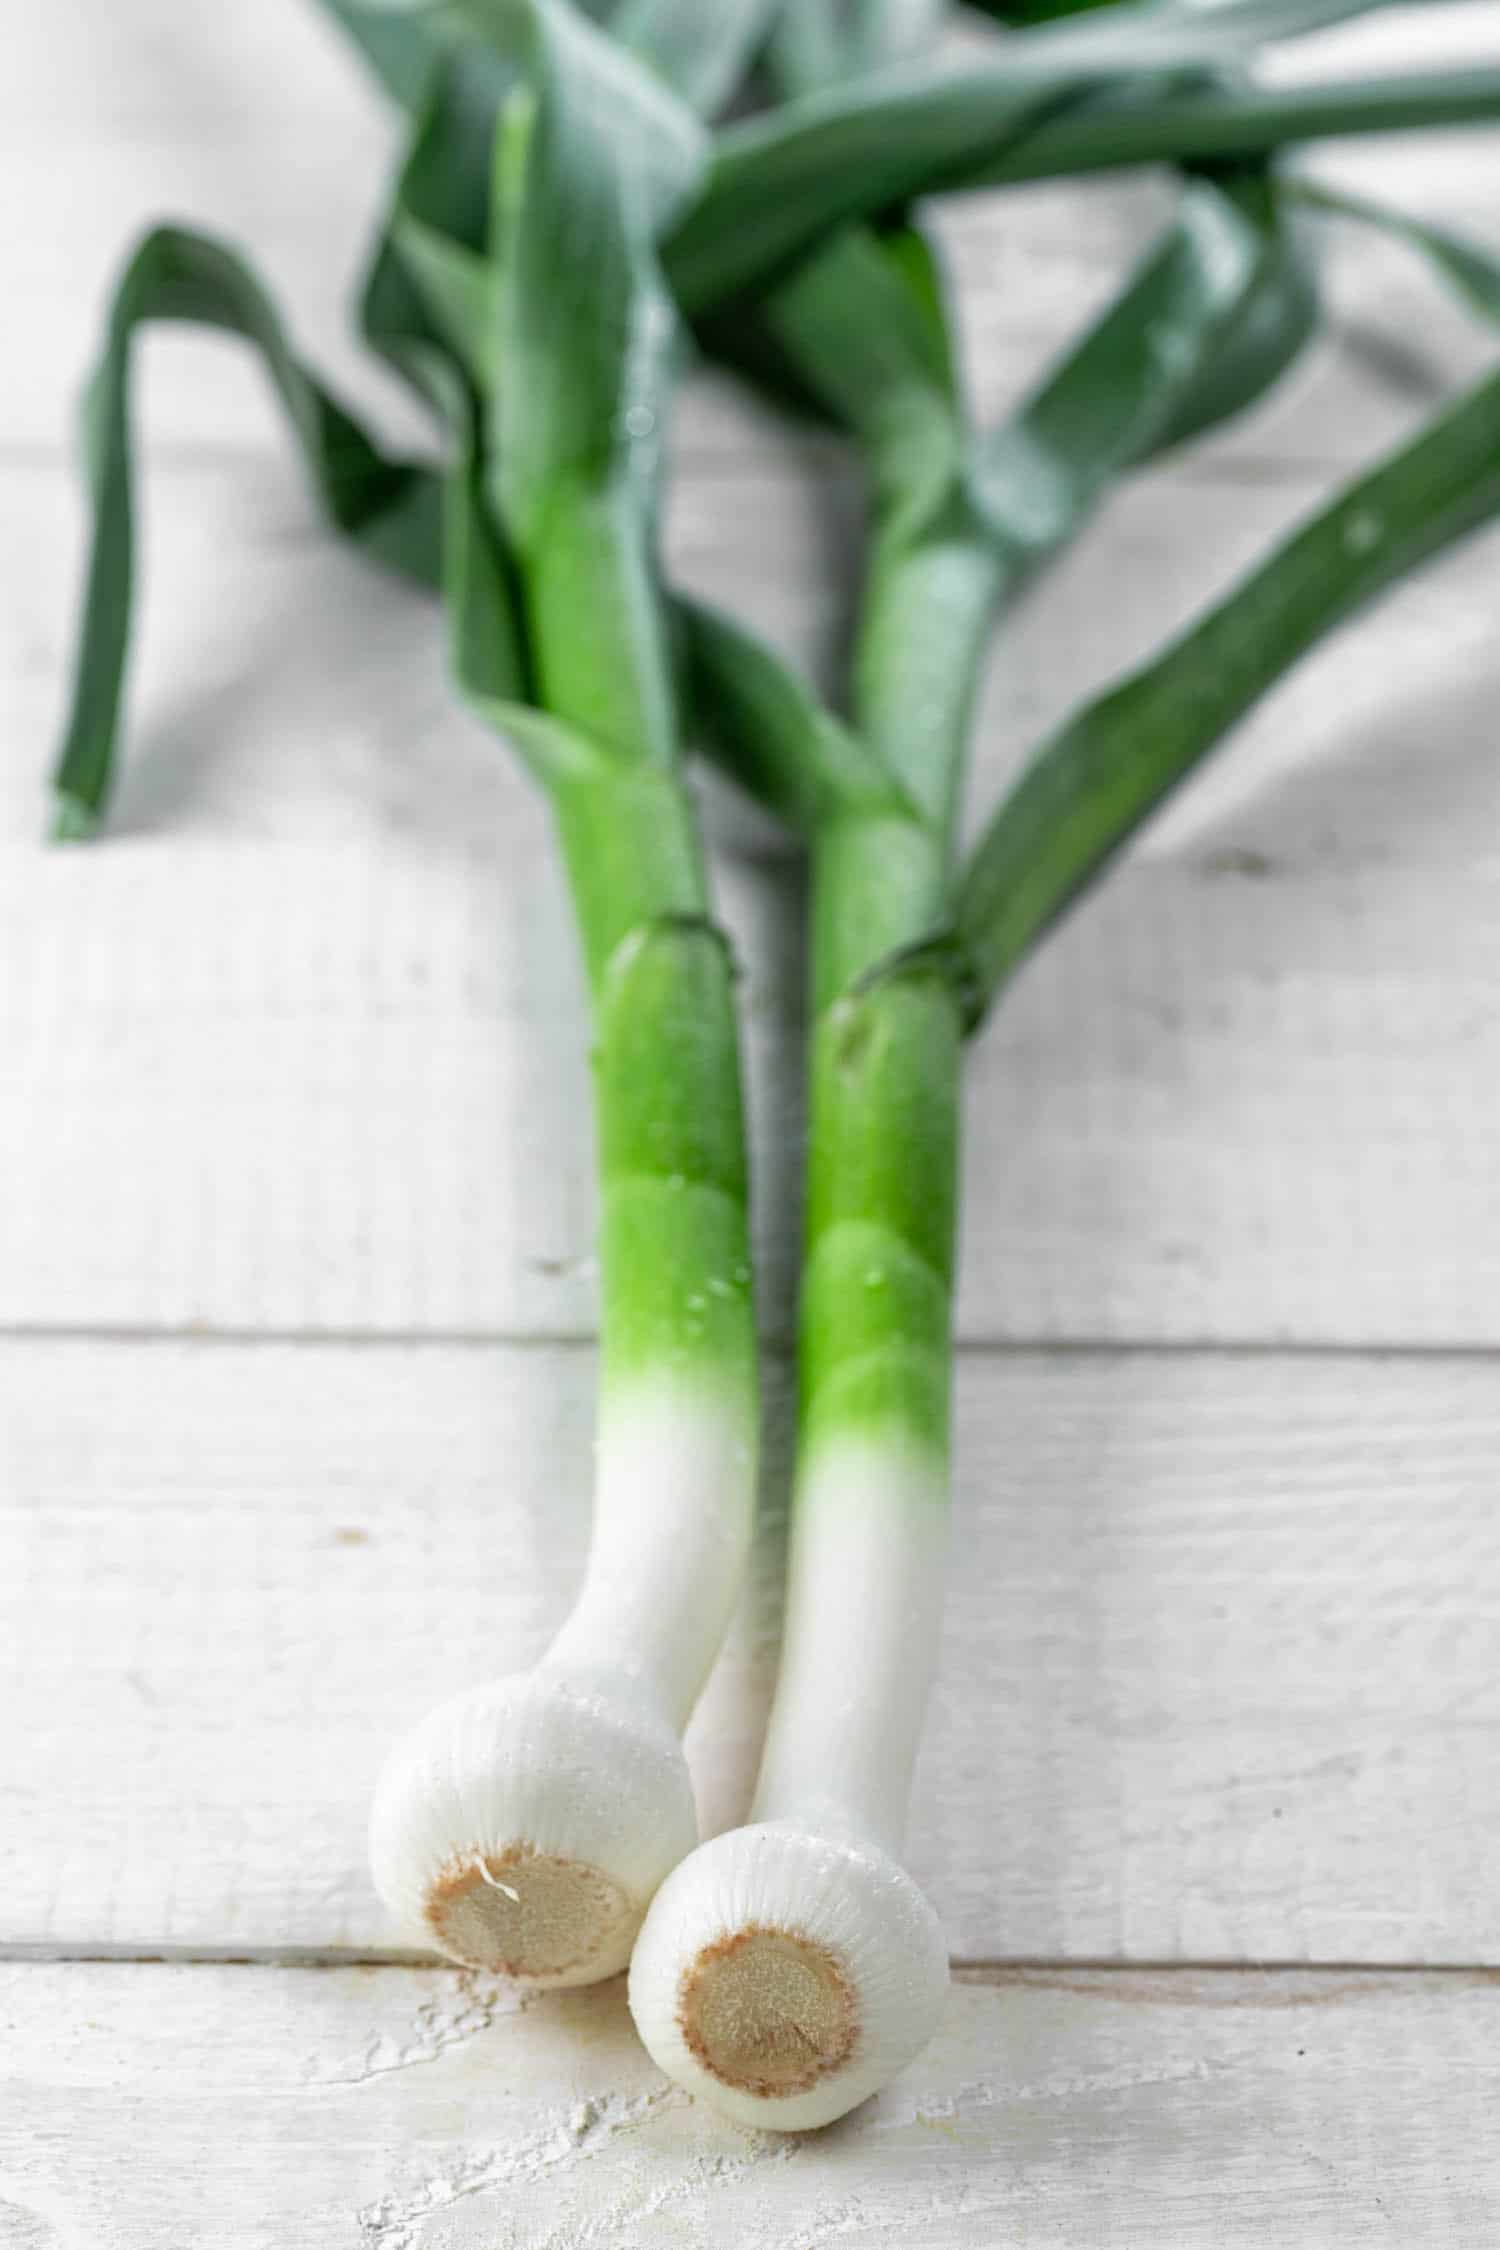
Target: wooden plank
(292, 1051)
(266, 132)
(394, 2110)
(1221, 1681)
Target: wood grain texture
(1221, 1676)
(240, 2109)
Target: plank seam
(965, 1970)
(774, 1343)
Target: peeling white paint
(573, 2136)
(464, 2006)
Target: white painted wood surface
(260, 2109)
(295, 1296)
(1222, 1677)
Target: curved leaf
(863, 324)
(388, 507)
(817, 43)
(1473, 272)
(1215, 313)
(766, 730)
(700, 50)
(401, 49)
(780, 182)
(1208, 124)
(1090, 788)
(430, 286)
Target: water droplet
(742, 1275)
(1362, 531)
(697, 1303)
(1170, 349)
(875, 1277)
(719, 1286)
(676, 1182)
(640, 422)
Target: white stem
(788, 1969)
(859, 1645)
(673, 1514)
(525, 1826)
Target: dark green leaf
(486, 639)
(387, 507)
(700, 48)
(1473, 272)
(402, 49)
(1036, 11)
(1090, 788)
(456, 289)
(863, 320)
(767, 730)
(780, 182)
(596, 162)
(893, 31)
(1275, 317)
(1192, 124)
(1216, 311)
(807, 47)
(1214, 314)
(818, 43)
(589, 170)
(429, 295)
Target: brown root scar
(769, 2011)
(524, 1913)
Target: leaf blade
(1089, 789)
(588, 172)
(1213, 314)
(779, 183)
(1472, 271)
(1212, 124)
(767, 731)
(701, 52)
(386, 506)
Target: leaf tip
(73, 821)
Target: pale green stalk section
(583, 353)
(885, 1051)
(864, 1582)
(869, 1527)
(863, 324)
(583, 357)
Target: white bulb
(524, 1826)
(784, 1976)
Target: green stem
(674, 1233)
(674, 1244)
(884, 1125)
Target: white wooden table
(295, 1308)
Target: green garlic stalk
(788, 1969)
(526, 1825)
